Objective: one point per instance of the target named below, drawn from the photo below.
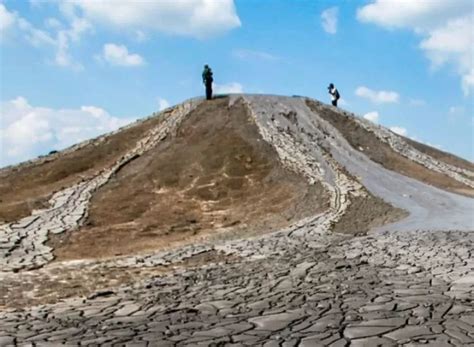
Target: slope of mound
(214, 174)
(29, 186)
(368, 143)
(441, 155)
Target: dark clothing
(208, 90)
(334, 102)
(207, 79)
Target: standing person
(334, 94)
(207, 80)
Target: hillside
(261, 216)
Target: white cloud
(420, 15)
(34, 36)
(195, 18)
(119, 55)
(163, 104)
(372, 116)
(248, 54)
(59, 39)
(399, 130)
(445, 28)
(329, 20)
(28, 131)
(229, 88)
(378, 97)
(78, 26)
(7, 18)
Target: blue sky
(71, 70)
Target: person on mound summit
(334, 94)
(207, 80)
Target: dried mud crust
(27, 187)
(214, 174)
(53, 284)
(379, 152)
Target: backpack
(336, 94)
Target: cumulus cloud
(28, 131)
(378, 97)
(195, 18)
(329, 19)
(163, 104)
(118, 55)
(399, 130)
(372, 116)
(445, 28)
(229, 88)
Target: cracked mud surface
(323, 290)
(405, 283)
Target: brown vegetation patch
(215, 174)
(360, 138)
(29, 186)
